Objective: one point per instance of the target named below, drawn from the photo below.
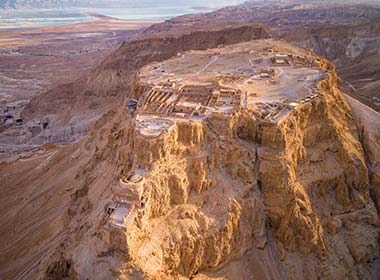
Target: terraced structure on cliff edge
(266, 77)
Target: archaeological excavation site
(232, 154)
(215, 153)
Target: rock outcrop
(217, 189)
(300, 194)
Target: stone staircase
(131, 216)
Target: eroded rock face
(316, 187)
(200, 203)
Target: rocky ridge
(215, 189)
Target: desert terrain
(37, 59)
(229, 145)
(354, 50)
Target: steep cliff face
(367, 122)
(316, 188)
(201, 205)
(194, 218)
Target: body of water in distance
(143, 10)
